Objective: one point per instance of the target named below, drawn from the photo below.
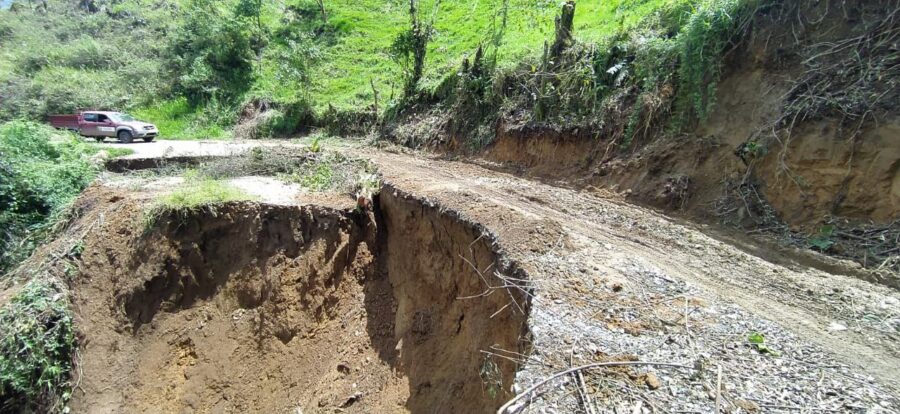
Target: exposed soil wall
(813, 167)
(258, 308)
(445, 313)
(820, 172)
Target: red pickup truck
(102, 124)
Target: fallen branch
(505, 409)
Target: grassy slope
(342, 77)
(353, 54)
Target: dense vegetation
(41, 172)
(36, 346)
(198, 67)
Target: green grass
(360, 54)
(177, 120)
(197, 191)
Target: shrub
(36, 347)
(40, 173)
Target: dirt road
(613, 281)
(612, 264)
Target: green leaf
(758, 341)
(821, 243)
(756, 338)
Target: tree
(564, 37)
(411, 46)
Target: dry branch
(509, 409)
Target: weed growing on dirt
(758, 341)
(36, 349)
(194, 193)
(491, 378)
(318, 178)
(197, 191)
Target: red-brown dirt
(259, 308)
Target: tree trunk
(563, 30)
(324, 14)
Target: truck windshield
(122, 117)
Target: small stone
(652, 381)
(836, 327)
(749, 406)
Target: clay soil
(288, 309)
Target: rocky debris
(598, 303)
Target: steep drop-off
(256, 308)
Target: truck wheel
(99, 139)
(148, 139)
(125, 137)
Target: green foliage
(410, 47)
(823, 240)
(62, 57)
(40, 173)
(316, 145)
(708, 31)
(178, 119)
(36, 347)
(649, 63)
(328, 171)
(210, 53)
(758, 342)
(318, 178)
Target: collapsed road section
(248, 307)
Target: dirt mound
(259, 308)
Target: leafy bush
(40, 173)
(36, 347)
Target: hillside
(108, 54)
(432, 206)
